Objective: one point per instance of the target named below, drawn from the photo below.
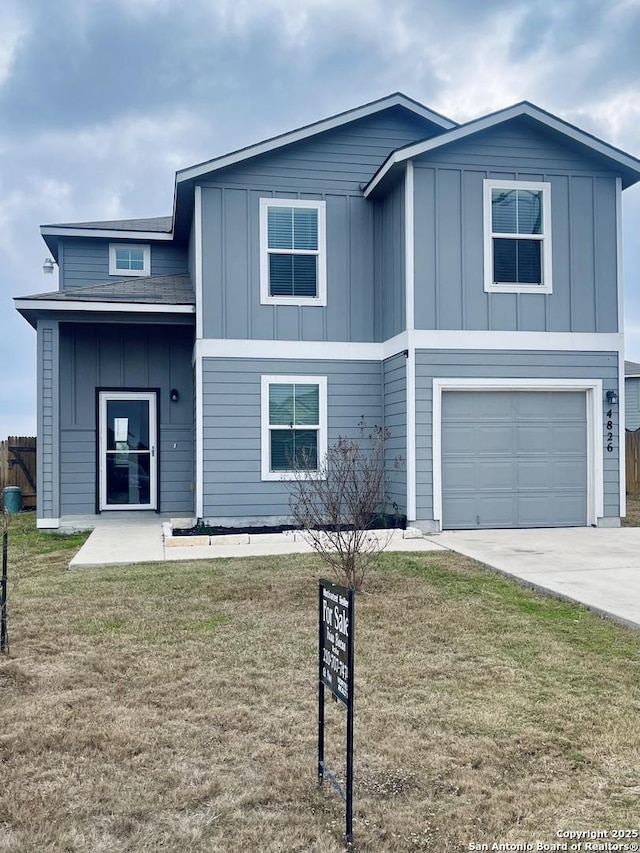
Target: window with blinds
(293, 252)
(294, 418)
(517, 237)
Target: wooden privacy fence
(633, 462)
(18, 467)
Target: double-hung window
(294, 425)
(517, 236)
(129, 259)
(292, 252)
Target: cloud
(14, 30)
(102, 101)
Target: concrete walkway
(598, 567)
(117, 539)
(121, 539)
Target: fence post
(4, 639)
(632, 449)
(18, 467)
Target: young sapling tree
(339, 501)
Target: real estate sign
(335, 640)
(336, 613)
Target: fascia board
(477, 125)
(112, 234)
(312, 130)
(103, 307)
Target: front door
(127, 450)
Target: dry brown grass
(173, 707)
(633, 512)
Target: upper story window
(292, 252)
(517, 237)
(129, 259)
(294, 425)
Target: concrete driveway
(599, 567)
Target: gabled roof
(163, 227)
(628, 166)
(631, 368)
(439, 122)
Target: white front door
(127, 451)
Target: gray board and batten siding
(449, 249)
(516, 365)
(82, 261)
(233, 488)
(333, 166)
(120, 357)
(390, 260)
(231, 272)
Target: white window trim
(265, 450)
(320, 299)
(146, 250)
(545, 238)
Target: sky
(101, 101)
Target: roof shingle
(155, 223)
(155, 289)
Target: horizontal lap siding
(47, 498)
(77, 470)
(449, 254)
(123, 357)
(331, 167)
(176, 468)
(632, 403)
(487, 364)
(86, 261)
(395, 422)
(232, 427)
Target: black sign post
(336, 624)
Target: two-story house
(458, 284)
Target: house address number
(609, 431)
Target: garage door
(514, 459)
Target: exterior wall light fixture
(47, 266)
(174, 395)
(612, 398)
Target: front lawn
(173, 707)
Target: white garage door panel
(514, 459)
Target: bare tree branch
(338, 506)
